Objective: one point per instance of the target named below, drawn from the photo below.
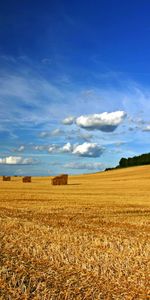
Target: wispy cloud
(86, 136)
(85, 165)
(37, 98)
(33, 104)
(19, 149)
(26, 92)
(40, 147)
(68, 120)
(54, 133)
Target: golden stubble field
(86, 240)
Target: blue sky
(74, 85)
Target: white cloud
(88, 150)
(56, 132)
(69, 120)
(106, 122)
(44, 134)
(53, 133)
(147, 128)
(85, 165)
(85, 149)
(53, 148)
(21, 148)
(50, 148)
(67, 148)
(40, 147)
(16, 160)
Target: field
(87, 240)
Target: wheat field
(86, 240)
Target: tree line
(143, 159)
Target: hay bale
(6, 178)
(56, 181)
(60, 180)
(26, 179)
(64, 178)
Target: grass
(86, 240)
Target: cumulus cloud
(88, 150)
(84, 165)
(69, 120)
(67, 148)
(106, 122)
(16, 160)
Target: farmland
(86, 240)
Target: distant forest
(143, 159)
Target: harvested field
(85, 240)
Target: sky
(74, 85)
